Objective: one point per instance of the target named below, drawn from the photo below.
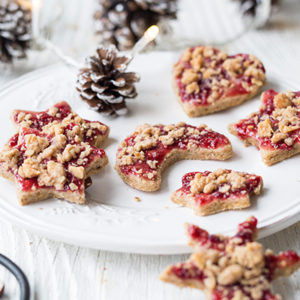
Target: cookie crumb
(137, 199)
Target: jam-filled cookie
(211, 192)
(231, 268)
(275, 128)
(207, 80)
(53, 154)
(142, 156)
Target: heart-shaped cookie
(207, 80)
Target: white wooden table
(60, 271)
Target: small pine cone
(123, 22)
(105, 84)
(15, 30)
(249, 7)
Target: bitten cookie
(53, 154)
(231, 268)
(212, 192)
(142, 156)
(275, 128)
(207, 80)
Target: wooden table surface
(60, 271)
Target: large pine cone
(123, 22)
(105, 84)
(15, 30)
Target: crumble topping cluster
(221, 180)
(236, 268)
(236, 264)
(52, 152)
(218, 70)
(146, 137)
(81, 129)
(282, 121)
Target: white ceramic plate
(112, 220)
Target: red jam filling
(40, 119)
(247, 128)
(13, 141)
(203, 199)
(188, 272)
(210, 140)
(205, 85)
(203, 238)
(246, 232)
(29, 184)
(228, 294)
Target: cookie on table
(142, 156)
(212, 192)
(231, 268)
(53, 154)
(275, 128)
(207, 80)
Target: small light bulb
(151, 33)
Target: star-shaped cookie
(211, 192)
(142, 156)
(231, 268)
(53, 154)
(94, 133)
(207, 80)
(275, 128)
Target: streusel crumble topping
(205, 74)
(52, 149)
(144, 151)
(277, 124)
(231, 268)
(221, 180)
(56, 120)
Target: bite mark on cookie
(275, 128)
(142, 156)
(212, 192)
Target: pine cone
(15, 30)
(123, 22)
(105, 84)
